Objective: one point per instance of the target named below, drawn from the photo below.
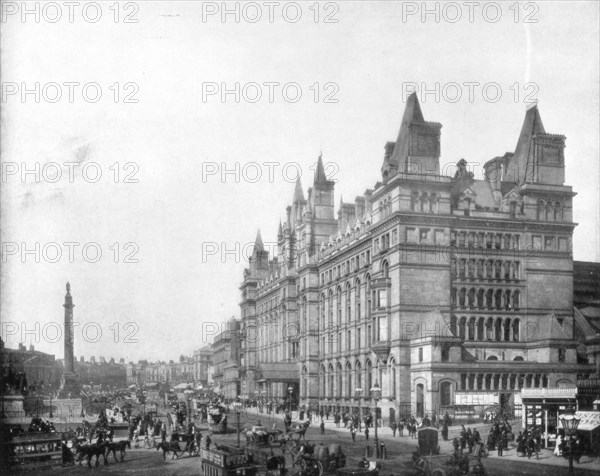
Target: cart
(452, 465)
(427, 442)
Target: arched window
(453, 327)
(472, 297)
(480, 299)
(369, 377)
(518, 358)
(433, 203)
(339, 306)
(472, 328)
(462, 328)
(349, 381)
(540, 210)
(549, 211)
(516, 330)
(498, 329)
(489, 298)
(480, 328)
(392, 372)
(498, 300)
(414, 202)
(558, 212)
(515, 299)
(385, 267)
(461, 297)
(424, 200)
(480, 268)
(445, 394)
(348, 302)
(368, 294)
(489, 329)
(357, 299)
(492, 357)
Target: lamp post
(237, 406)
(51, 402)
(570, 423)
(188, 395)
(357, 395)
(376, 393)
(290, 391)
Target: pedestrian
(353, 433)
(500, 447)
(445, 431)
(401, 429)
(322, 427)
(394, 427)
(367, 433)
(456, 445)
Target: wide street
(398, 462)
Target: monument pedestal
(70, 387)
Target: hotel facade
(440, 290)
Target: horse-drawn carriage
(314, 461)
(187, 442)
(258, 435)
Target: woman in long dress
(557, 449)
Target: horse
(169, 446)
(118, 446)
(89, 451)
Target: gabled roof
(549, 328)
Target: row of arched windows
(343, 379)
(424, 202)
(549, 211)
(498, 299)
(487, 269)
(498, 241)
(486, 329)
(499, 381)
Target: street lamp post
(237, 406)
(290, 391)
(376, 393)
(570, 423)
(188, 395)
(358, 394)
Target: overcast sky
(161, 133)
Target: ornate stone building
(442, 290)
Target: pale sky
(173, 141)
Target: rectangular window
(537, 243)
(349, 340)
(368, 256)
(382, 298)
(549, 243)
(424, 234)
(358, 338)
(411, 235)
(369, 337)
(420, 354)
(563, 244)
(439, 236)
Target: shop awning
(589, 421)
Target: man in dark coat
(445, 432)
(394, 427)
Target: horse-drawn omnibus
(226, 461)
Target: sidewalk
(545, 456)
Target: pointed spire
(279, 232)
(298, 193)
(532, 125)
(320, 176)
(258, 243)
(412, 114)
(68, 288)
